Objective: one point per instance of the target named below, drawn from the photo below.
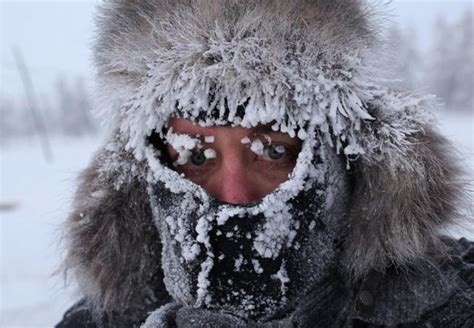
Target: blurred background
(48, 133)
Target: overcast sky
(55, 36)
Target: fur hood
(312, 57)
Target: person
(259, 173)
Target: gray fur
(397, 216)
(130, 30)
(114, 248)
(132, 33)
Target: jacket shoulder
(458, 311)
(439, 295)
(82, 315)
(78, 316)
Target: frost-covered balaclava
(254, 259)
(300, 66)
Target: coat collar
(396, 297)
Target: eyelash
(290, 152)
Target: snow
(245, 140)
(39, 194)
(282, 275)
(184, 144)
(210, 153)
(257, 147)
(209, 139)
(257, 266)
(238, 263)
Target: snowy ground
(34, 200)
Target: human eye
(198, 158)
(198, 163)
(275, 152)
(278, 156)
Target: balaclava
(252, 260)
(303, 67)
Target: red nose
(232, 183)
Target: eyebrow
(265, 129)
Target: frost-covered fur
(131, 32)
(151, 54)
(113, 248)
(287, 63)
(396, 217)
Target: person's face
(240, 165)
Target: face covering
(252, 260)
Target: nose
(232, 183)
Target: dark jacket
(434, 297)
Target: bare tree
(33, 105)
(405, 57)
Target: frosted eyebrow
(201, 138)
(265, 129)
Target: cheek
(270, 176)
(198, 176)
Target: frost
(99, 194)
(338, 92)
(302, 134)
(268, 139)
(257, 147)
(203, 283)
(226, 212)
(278, 231)
(202, 229)
(238, 262)
(353, 149)
(172, 224)
(160, 317)
(209, 139)
(282, 276)
(210, 153)
(257, 267)
(183, 144)
(280, 149)
(246, 141)
(84, 221)
(190, 252)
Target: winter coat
(305, 66)
(435, 297)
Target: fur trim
(397, 216)
(288, 63)
(130, 31)
(113, 246)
